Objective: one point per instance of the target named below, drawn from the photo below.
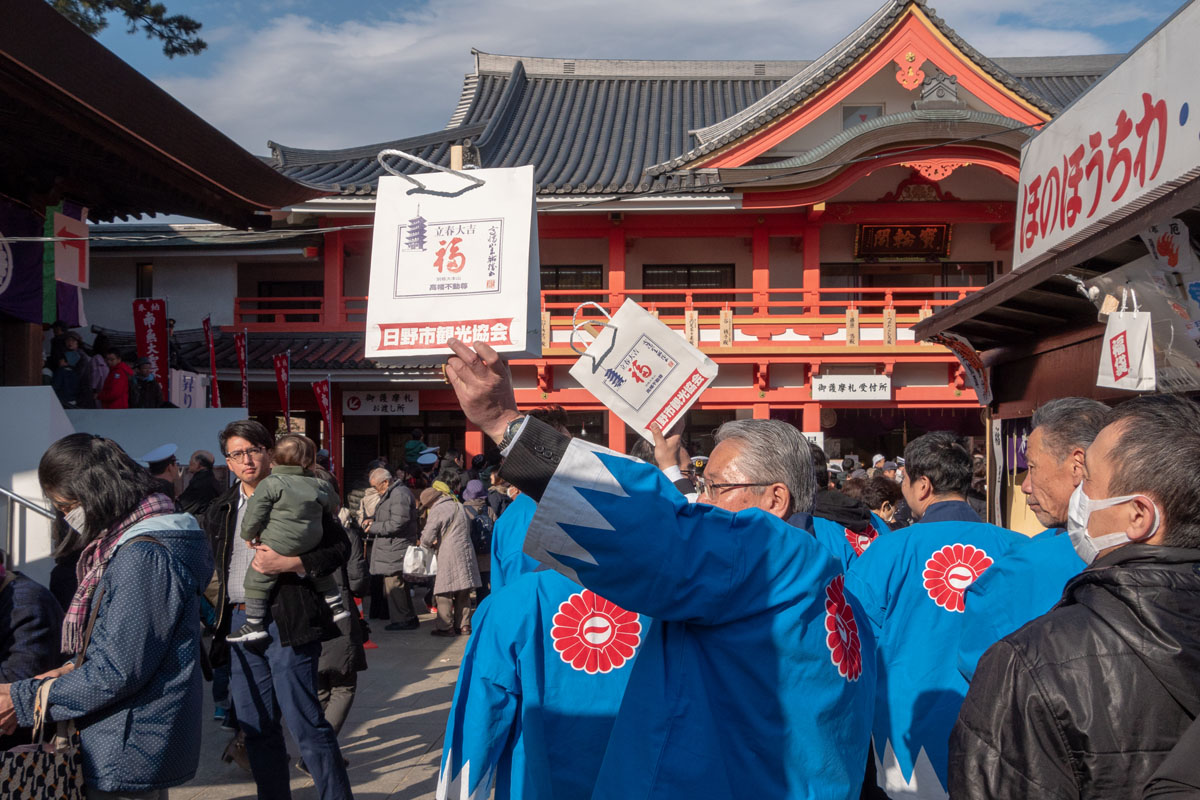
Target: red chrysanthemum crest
(593, 635)
(861, 541)
(845, 648)
(949, 571)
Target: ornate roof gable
(903, 35)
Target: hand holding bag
(44, 771)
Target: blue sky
(341, 73)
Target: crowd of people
(100, 375)
(752, 624)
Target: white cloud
(307, 84)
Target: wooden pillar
(812, 267)
(335, 262)
(473, 442)
(616, 433)
(812, 418)
(616, 267)
(760, 261)
(762, 411)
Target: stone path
(393, 737)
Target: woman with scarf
(136, 692)
(448, 529)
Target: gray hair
(379, 475)
(1069, 422)
(773, 451)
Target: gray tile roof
(601, 127)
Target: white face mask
(76, 518)
(1080, 508)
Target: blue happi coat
(911, 586)
(540, 684)
(1025, 584)
(845, 544)
(508, 536)
(757, 677)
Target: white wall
(31, 419)
(194, 288)
(141, 430)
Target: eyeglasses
(714, 489)
(245, 455)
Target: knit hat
(474, 490)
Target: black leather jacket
(1089, 699)
(297, 608)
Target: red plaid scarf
(92, 563)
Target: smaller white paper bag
(642, 370)
(419, 562)
(1127, 352)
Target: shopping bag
(1127, 351)
(44, 770)
(457, 257)
(419, 562)
(642, 370)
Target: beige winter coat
(448, 530)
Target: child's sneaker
(334, 601)
(252, 631)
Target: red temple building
(794, 218)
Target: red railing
(826, 305)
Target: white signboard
(852, 387)
(816, 438)
(383, 402)
(1131, 136)
(71, 255)
(188, 389)
(454, 261)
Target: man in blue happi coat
(756, 678)
(911, 585)
(844, 525)
(1030, 580)
(540, 685)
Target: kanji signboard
(852, 387)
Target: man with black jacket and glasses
(1092, 698)
(299, 621)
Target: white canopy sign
(1130, 138)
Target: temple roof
(619, 127)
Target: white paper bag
(454, 260)
(1127, 352)
(419, 562)
(643, 370)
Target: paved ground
(393, 737)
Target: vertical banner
(212, 361)
(239, 344)
(150, 327)
(322, 389)
(283, 380)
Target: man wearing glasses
(756, 678)
(278, 680)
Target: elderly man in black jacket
(299, 620)
(393, 529)
(1091, 699)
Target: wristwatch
(510, 432)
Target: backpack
(481, 529)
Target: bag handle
(591, 328)
(420, 187)
(41, 703)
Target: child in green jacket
(284, 513)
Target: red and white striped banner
(283, 381)
(212, 361)
(239, 344)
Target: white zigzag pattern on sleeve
(563, 504)
(923, 785)
(458, 786)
